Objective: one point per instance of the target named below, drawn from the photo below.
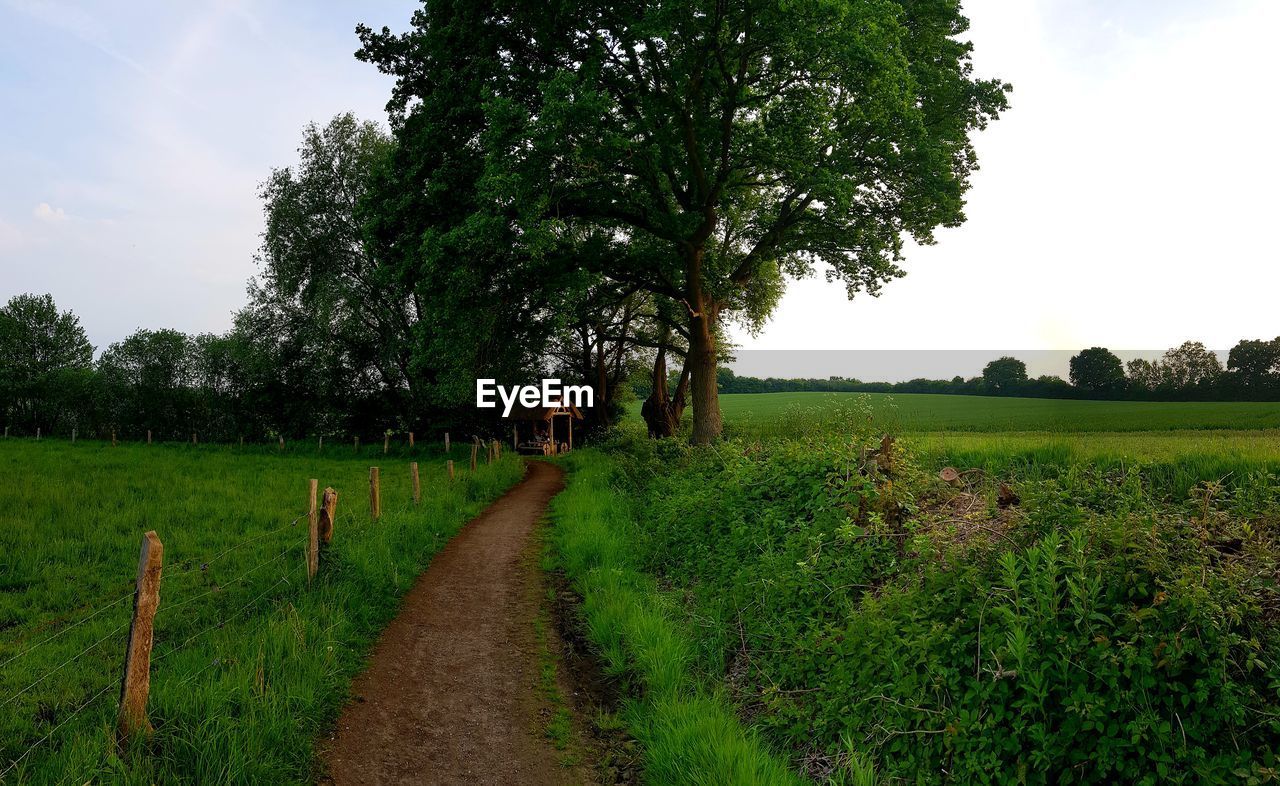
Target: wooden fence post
(450, 463)
(386, 443)
(73, 436)
(328, 513)
(411, 440)
(417, 487)
(446, 440)
(375, 494)
(320, 444)
(113, 436)
(282, 442)
(355, 444)
(194, 440)
(135, 684)
(475, 446)
(313, 528)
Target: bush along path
(455, 691)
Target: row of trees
(1188, 371)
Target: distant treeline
(1189, 372)
(222, 387)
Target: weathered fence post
(113, 436)
(450, 464)
(417, 487)
(282, 441)
(411, 440)
(135, 684)
(313, 529)
(73, 436)
(320, 444)
(355, 445)
(446, 440)
(375, 494)
(194, 439)
(328, 512)
(386, 443)
(475, 447)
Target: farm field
(763, 413)
(249, 662)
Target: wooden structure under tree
(535, 429)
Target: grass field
(249, 663)
(766, 412)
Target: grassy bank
(688, 732)
(1093, 627)
(249, 663)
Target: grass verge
(688, 732)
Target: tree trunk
(661, 410)
(707, 424)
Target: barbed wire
(204, 565)
(232, 582)
(63, 665)
(45, 738)
(64, 630)
(220, 623)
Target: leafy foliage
(1093, 633)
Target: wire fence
(116, 631)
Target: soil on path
(450, 694)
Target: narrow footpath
(450, 695)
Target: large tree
(1097, 370)
(1004, 375)
(713, 147)
(1255, 362)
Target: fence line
(233, 582)
(62, 665)
(204, 565)
(77, 624)
(53, 731)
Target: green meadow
(250, 662)
(769, 412)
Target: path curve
(449, 695)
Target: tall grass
(250, 663)
(688, 732)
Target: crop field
(910, 412)
(250, 661)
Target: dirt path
(450, 695)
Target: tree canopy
(702, 151)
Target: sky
(1126, 199)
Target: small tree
(1097, 370)
(42, 351)
(1005, 375)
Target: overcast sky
(1126, 199)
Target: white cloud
(49, 214)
